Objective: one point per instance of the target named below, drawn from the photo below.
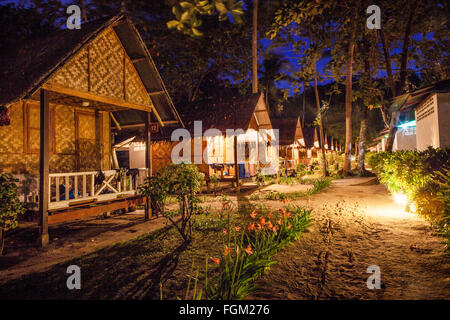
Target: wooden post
(236, 165)
(98, 134)
(148, 162)
(44, 167)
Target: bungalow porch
(58, 141)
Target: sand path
(356, 225)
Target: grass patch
(318, 185)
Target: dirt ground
(356, 225)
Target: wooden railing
(69, 188)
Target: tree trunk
(2, 240)
(348, 105)
(303, 110)
(319, 116)
(362, 141)
(83, 10)
(403, 74)
(392, 131)
(255, 47)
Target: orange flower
(215, 260)
(258, 227)
(275, 229)
(269, 215)
(288, 214)
(224, 231)
(251, 227)
(269, 225)
(286, 200)
(237, 228)
(249, 249)
(227, 250)
(262, 221)
(280, 222)
(254, 214)
(289, 226)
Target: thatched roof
(28, 65)
(231, 113)
(308, 134)
(287, 128)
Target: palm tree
(255, 47)
(273, 64)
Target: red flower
(262, 221)
(215, 260)
(227, 251)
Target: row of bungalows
(300, 145)
(57, 96)
(209, 124)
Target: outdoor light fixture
(408, 124)
(85, 103)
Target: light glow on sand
(400, 198)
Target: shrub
(422, 176)
(10, 206)
(249, 250)
(182, 181)
(214, 179)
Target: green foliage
(182, 181)
(214, 180)
(423, 176)
(10, 206)
(187, 14)
(318, 185)
(249, 251)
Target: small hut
(292, 142)
(58, 93)
(217, 157)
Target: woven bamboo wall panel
(22, 163)
(106, 65)
(74, 74)
(135, 90)
(11, 136)
(161, 155)
(65, 130)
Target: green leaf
(185, 16)
(221, 8)
(185, 5)
(172, 24)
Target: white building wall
(405, 139)
(443, 102)
(427, 124)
